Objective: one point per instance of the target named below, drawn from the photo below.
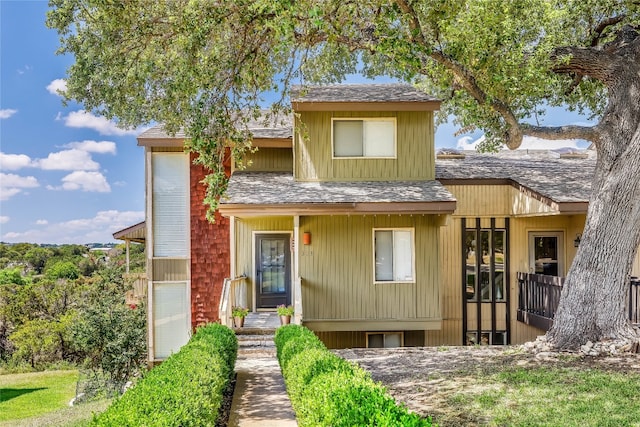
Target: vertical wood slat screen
(170, 204)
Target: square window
(373, 138)
(394, 255)
(385, 339)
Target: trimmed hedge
(326, 390)
(185, 390)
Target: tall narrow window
(364, 138)
(485, 256)
(170, 204)
(394, 255)
(170, 318)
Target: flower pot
(285, 320)
(238, 321)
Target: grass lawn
(32, 394)
(506, 386)
(551, 396)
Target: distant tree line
(66, 304)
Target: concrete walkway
(260, 397)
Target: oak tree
(206, 66)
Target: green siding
(244, 241)
(270, 160)
(415, 153)
(337, 270)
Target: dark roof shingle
(395, 92)
(281, 189)
(561, 180)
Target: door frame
(292, 249)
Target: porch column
(297, 289)
(127, 243)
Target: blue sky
(67, 176)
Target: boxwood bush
(185, 390)
(326, 390)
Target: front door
(273, 270)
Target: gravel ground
(424, 378)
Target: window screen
(170, 204)
(170, 319)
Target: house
(353, 220)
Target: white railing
(233, 291)
(297, 301)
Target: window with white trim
(170, 317)
(170, 186)
(375, 138)
(394, 255)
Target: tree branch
(588, 133)
(465, 78)
(603, 25)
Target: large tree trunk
(594, 301)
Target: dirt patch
(426, 379)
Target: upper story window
(374, 137)
(394, 255)
(170, 198)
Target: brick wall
(210, 256)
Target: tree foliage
(65, 315)
(208, 66)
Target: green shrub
(291, 340)
(185, 390)
(326, 390)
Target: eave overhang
(136, 233)
(395, 208)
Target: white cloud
(7, 112)
(84, 119)
(85, 181)
(24, 69)
(68, 160)
(12, 184)
(467, 143)
(13, 162)
(42, 222)
(100, 147)
(100, 228)
(4, 219)
(58, 85)
(528, 143)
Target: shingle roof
(281, 127)
(395, 92)
(561, 180)
(280, 189)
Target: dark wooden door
(273, 270)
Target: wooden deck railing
(138, 283)
(539, 295)
(232, 292)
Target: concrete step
(245, 340)
(256, 352)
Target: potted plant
(285, 312)
(239, 313)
